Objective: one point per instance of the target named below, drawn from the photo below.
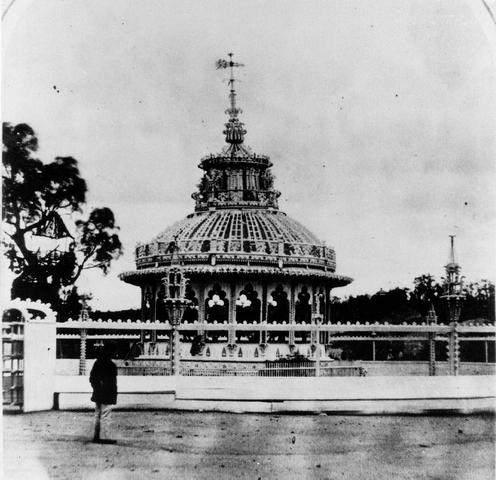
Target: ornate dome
(237, 226)
(247, 237)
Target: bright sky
(380, 118)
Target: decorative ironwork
(432, 320)
(453, 287)
(82, 352)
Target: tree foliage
(404, 305)
(36, 196)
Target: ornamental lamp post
(175, 303)
(453, 288)
(83, 317)
(432, 320)
(317, 320)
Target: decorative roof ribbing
(237, 225)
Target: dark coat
(103, 379)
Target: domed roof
(239, 237)
(237, 226)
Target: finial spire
(235, 130)
(452, 249)
(453, 281)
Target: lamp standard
(317, 320)
(83, 317)
(432, 320)
(453, 295)
(175, 303)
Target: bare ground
(184, 445)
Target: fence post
(176, 352)
(317, 359)
(82, 351)
(432, 320)
(454, 350)
(432, 354)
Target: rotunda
(247, 262)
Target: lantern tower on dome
(245, 260)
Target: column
(266, 295)
(328, 320)
(143, 296)
(231, 333)
(265, 303)
(327, 315)
(454, 350)
(201, 311)
(176, 351)
(456, 356)
(144, 309)
(153, 309)
(432, 353)
(317, 358)
(486, 352)
(292, 315)
(153, 333)
(263, 311)
(82, 351)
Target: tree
(479, 301)
(427, 292)
(35, 198)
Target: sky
(379, 117)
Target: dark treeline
(405, 305)
(394, 306)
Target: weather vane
(233, 111)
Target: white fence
(280, 369)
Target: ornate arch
(248, 305)
(303, 306)
(216, 305)
(160, 310)
(147, 302)
(191, 312)
(278, 310)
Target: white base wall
(258, 394)
(39, 365)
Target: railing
(212, 372)
(253, 352)
(279, 370)
(343, 371)
(144, 371)
(287, 369)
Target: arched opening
(278, 310)
(303, 312)
(216, 305)
(191, 312)
(147, 303)
(161, 311)
(248, 306)
(303, 306)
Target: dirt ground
(160, 445)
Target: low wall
(404, 394)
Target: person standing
(103, 379)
